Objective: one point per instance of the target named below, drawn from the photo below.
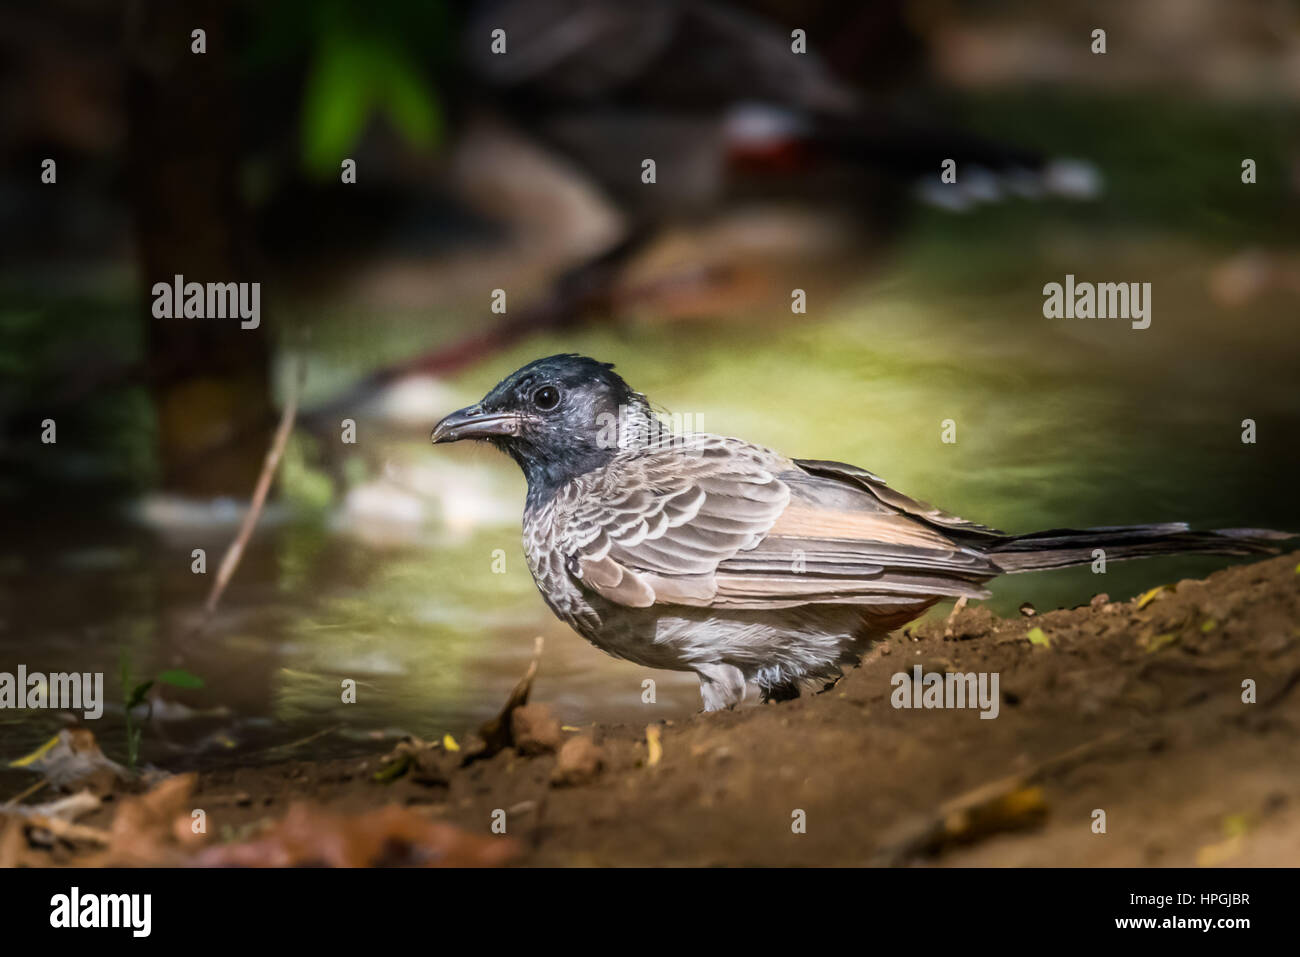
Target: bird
(760, 573)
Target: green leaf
(337, 103)
(1037, 637)
(137, 694)
(180, 678)
(353, 77)
(409, 103)
(393, 770)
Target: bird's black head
(558, 417)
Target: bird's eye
(546, 398)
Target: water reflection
(379, 566)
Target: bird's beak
(474, 423)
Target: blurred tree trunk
(211, 378)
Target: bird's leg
(721, 686)
(957, 609)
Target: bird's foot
(721, 686)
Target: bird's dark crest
(566, 368)
(581, 433)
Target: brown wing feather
(723, 523)
(691, 506)
(877, 487)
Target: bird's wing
(878, 488)
(654, 526)
(723, 523)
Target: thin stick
(301, 741)
(1043, 769)
(13, 801)
(230, 560)
(917, 840)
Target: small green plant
(136, 693)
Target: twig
(301, 741)
(13, 801)
(230, 560)
(1002, 804)
(1033, 775)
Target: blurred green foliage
(352, 79)
(363, 60)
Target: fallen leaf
(1147, 597)
(1037, 637)
(71, 760)
(1021, 808)
(154, 829)
(426, 763)
(496, 733)
(42, 831)
(393, 768)
(1155, 643)
(13, 843)
(389, 836)
(1212, 855)
(971, 819)
(654, 748)
(65, 809)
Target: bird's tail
(1064, 547)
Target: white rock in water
(1073, 179)
(166, 512)
(414, 400)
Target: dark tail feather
(1064, 547)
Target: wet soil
(1161, 731)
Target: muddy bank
(1173, 715)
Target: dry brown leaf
(71, 760)
(496, 733)
(390, 836)
(654, 749)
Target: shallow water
(431, 609)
